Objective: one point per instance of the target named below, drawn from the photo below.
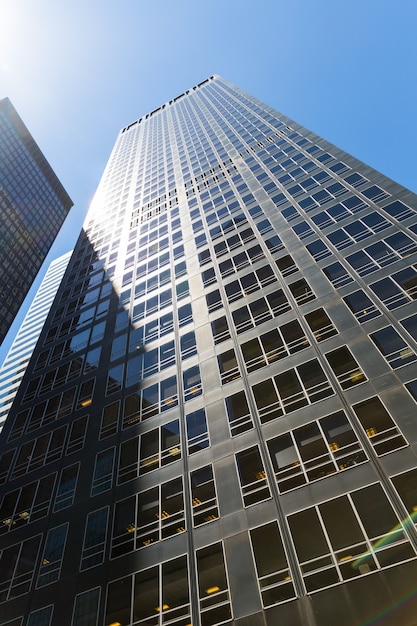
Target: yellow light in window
(196, 501)
(147, 542)
(345, 558)
(180, 529)
(115, 624)
(404, 354)
(174, 451)
(164, 515)
(24, 514)
(131, 528)
(45, 562)
(212, 590)
(210, 518)
(370, 431)
(356, 376)
(260, 475)
(7, 521)
(164, 608)
(334, 446)
(86, 402)
(151, 461)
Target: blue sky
(79, 70)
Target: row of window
(349, 536)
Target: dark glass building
(33, 206)
(218, 424)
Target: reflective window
(203, 496)
(94, 538)
(197, 435)
(320, 324)
(345, 367)
(53, 553)
(86, 608)
(66, 487)
(361, 306)
(103, 471)
(252, 476)
(380, 428)
(337, 274)
(315, 451)
(348, 536)
(271, 565)
(213, 589)
(238, 413)
(301, 291)
(393, 347)
(41, 617)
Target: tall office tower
(218, 424)
(33, 206)
(18, 357)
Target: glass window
(228, 366)
(393, 347)
(345, 367)
(271, 565)
(380, 428)
(103, 471)
(212, 586)
(53, 553)
(94, 538)
(110, 418)
(361, 306)
(314, 451)
(41, 617)
(407, 279)
(252, 476)
(118, 603)
(301, 291)
(220, 329)
(337, 274)
(66, 487)
(320, 324)
(318, 250)
(389, 293)
(86, 608)
(197, 435)
(238, 412)
(192, 383)
(203, 496)
(161, 591)
(406, 485)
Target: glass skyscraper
(218, 424)
(33, 207)
(14, 365)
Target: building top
(169, 103)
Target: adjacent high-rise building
(33, 207)
(218, 424)
(18, 356)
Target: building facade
(218, 424)
(33, 207)
(18, 357)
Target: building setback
(218, 424)
(33, 207)
(18, 357)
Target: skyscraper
(218, 422)
(18, 357)
(33, 206)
